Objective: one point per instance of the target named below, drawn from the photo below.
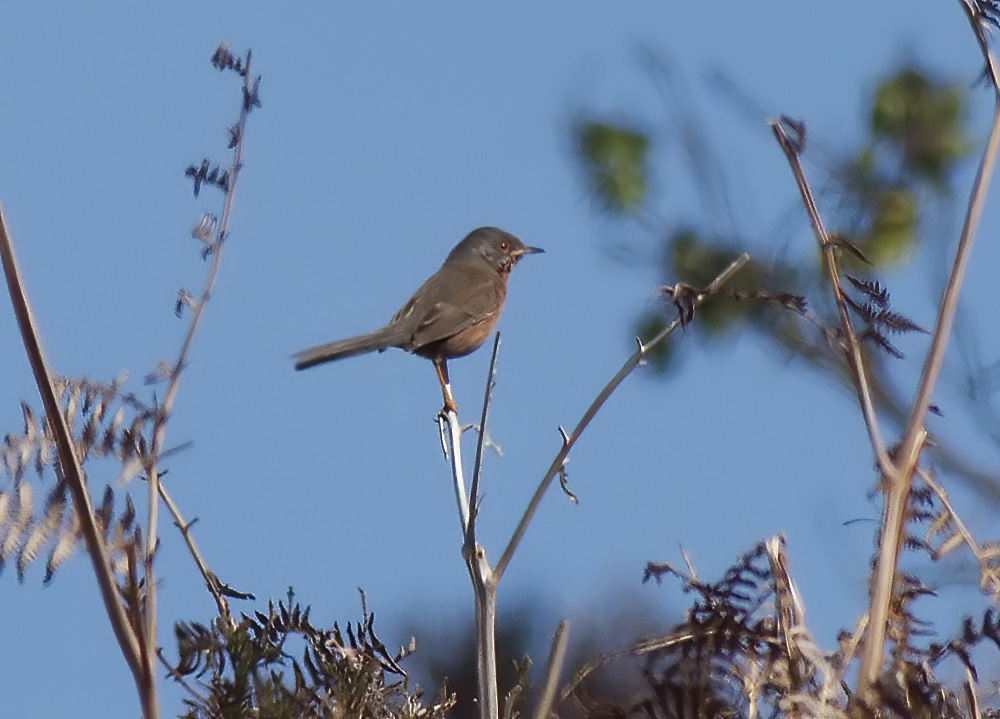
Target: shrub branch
(69, 463)
(485, 579)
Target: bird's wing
(451, 300)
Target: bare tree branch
(557, 657)
(915, 434)
(128, 642)
(630, 364)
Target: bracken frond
(248, 666)
(872, 289)
(742, 649)
(106, 423)
(63, 546)
(47, 526)
(19, 517)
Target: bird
(449, 316)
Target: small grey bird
(450, 315)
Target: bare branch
(73, 472)
(557, 657)
(211, 582)
(630, 364)
(483, 585)
(451, 444)
(470, 525)
(226, 180)
(915, 433)
(988, 577)
(792, 147)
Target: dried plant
(87, 422)
(874, 310)
(947, 532)
(106, 423)
(254, 669)
(486, 578)
(743, 651)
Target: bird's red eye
(504, 246)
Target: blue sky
(387, 133)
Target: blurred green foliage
(915, 138)
(923, 119)
(892, 227)
(615, 160)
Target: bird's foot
(449, 406)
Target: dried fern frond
(341, 672)
(946, 532)
(873, 308)
(24, 536)
(744, 651)
(96, 414)
(16, 508)
(742, 648)
(47, 526)
(106, 423)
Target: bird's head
(498, 248)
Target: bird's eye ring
(504, 246)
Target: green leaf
(893, 230)
(922, 119)
(615, 160)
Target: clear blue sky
(389, 131)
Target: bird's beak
(527, 251)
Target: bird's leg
(441, 367)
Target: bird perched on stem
(450, 315)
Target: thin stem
(177, 677)
(185, 528)
(470, 526)
(560, 459)
(451, 442)
(909, 445)
(206, 292)
(485, 590)
(483, 586)
(970, 694)
(149, 633)
(164, 411)
(485, 580)
(128, 642)
(853, 349)
(913, 437)
(961, 530)
(914, 434)
(978, 23)
(557, 657)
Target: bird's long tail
(379, 340)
